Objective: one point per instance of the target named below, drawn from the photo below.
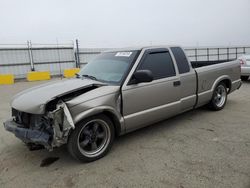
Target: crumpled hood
(33, 100)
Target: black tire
(244, 78)
(87, 135)
(219, 98)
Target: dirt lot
(196, 149)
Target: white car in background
(245, 67)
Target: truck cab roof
(140, 48)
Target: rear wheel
(244, 78)
(91, 139)
(219, 98)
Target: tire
(91, 139)
(244, 78)
(219, 98)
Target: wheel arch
(115, 121)
(226, 80)
(228, 84)
(114, 116)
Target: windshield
(109, 66)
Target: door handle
(177, 83)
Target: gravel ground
(199, 149)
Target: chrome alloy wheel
(220, 96)
(94, 137)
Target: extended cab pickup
(118, 92)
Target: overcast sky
(119, 23)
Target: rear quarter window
(181, 60)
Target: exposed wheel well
(228, 84)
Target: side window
(159, 63)
(181, 60)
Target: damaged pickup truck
(118, 92)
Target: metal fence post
(228, 54)
(218, 53)
(78, 63)
(75, 54)
(30, 56)
(195, 52)
(59, 59)
(207, 54)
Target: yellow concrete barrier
(6, 79)
(69, 73)
(36, 76)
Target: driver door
(146, 103)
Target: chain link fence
(22, 58)
(216, 53)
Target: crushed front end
(48, 130)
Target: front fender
(98, 110)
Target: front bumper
(28, 135)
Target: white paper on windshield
(123, 54)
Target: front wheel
(219, 98)
(91, 139)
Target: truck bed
(197, 64)
(209, 73)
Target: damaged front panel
(62, 123)
(50, 130)
(50, 122)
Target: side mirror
(142, 76)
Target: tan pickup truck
(118, 92)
